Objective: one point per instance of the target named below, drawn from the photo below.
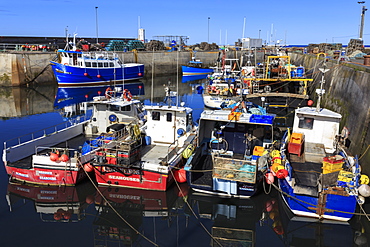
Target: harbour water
(86, 215)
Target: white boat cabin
(107, 112)
(89, 60)
(317, 127)
(165, 124)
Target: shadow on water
(83, 216)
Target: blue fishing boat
(228, 146)
(194, 68)
(74, 68)
(318, 178)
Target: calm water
(78, 216)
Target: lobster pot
(234, 170)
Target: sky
(214, 21)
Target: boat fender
(54, 157)
(364, 190)
(64, 158)
(364, 179)
(360, 200)
(180, 175)
(188, 151)
(112, 118)
(282, 173)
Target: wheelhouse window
(169, 117)
(114, 108)
(156, 115)
(105, 64)
(100, 64)
(305, 123)
(126, 108)
(94, 64)
(88, 64)
(111, 64)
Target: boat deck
(154, 154)
(74, 143)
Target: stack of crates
(332, 164)
(257, 152)
(128, 153)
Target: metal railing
(44, 132)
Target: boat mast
(320, 91)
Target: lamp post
(96, 15)
(362, 19)
(208, 28)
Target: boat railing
(44, 132)
(173, 148)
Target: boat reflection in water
(52, 203)
(127, 216)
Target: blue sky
(292, 22)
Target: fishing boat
(53, 156)
(229, 143)
(278, 85)
(195, 68)
(319, 179)
(75, 68)
(151, 162)
(222, 84)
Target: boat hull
(134, 178)
(338, 207)
(192, 71)
(41, 176)
(70, 76)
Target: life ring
(108, 93)
(127, 95)
(112, 118)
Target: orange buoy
(269, 178)
(54, 156)
(310, 102)
(88, 167)
(180, 175)
(64, 158)
(86, 74)
(98, 76)
(282, 173)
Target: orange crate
(296, 138)
(258, 150)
